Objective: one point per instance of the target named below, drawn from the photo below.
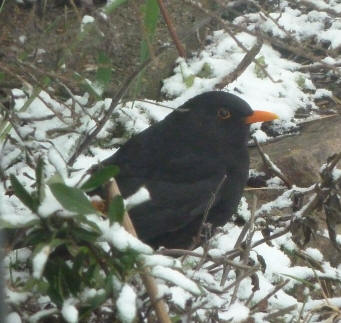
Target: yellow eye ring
(223, 114)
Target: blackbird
(181, 161)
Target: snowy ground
(292, 90)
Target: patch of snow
(126, 304)
(121, 239)
(176, 278)
(139, 197)
(39, 261)
(13, 317)
(237, 312)
(153, 260)
(179, 296)
(314, 254)
(69, 311)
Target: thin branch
(271, 166)
(171, 29)
(242, 66)
(197, 238)
(148, 280)
(276, 289)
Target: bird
(194, 164)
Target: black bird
(181, 160)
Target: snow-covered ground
(183, 283)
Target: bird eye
(223, 114)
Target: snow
(122, 239)
(153, 260)
(179, 296)
(55, 158)
(13, 317)
(126, 304)
(69, 311)
(39, 261)
(139, 197)
(176, 278)
(237, 312)
(314, 254)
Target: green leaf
(40, 179)
(104, 71)
(116, 210)
(72, 199)
(84, 235)
(23, 195)
(55, 178)
(100, 177)
(151, 12)
(189, 80)
(260, 73)
(37, 236)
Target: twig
(277, 288)
(218, 260)
(115, 100)
(197, 238)
(227, 27)
(246, 252)
(271, 166)
(171, 29)
(237, 247)
(148, 280)
(242, 66)
(280, 312)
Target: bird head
(222, 116)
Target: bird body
(181, 160)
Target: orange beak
(260, 116)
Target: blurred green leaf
(23, 195)
(189, 80)
(206, 71)
(37, 235)
(104, 71)
(151, 12)
(72, 199)
(100, 177)
(84, 235)
(55, 178)
(260, 73)
(116, 210)
(2, 76)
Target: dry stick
(210, 203)
(218, 260)
(277, 288)
(148, 280)
(271, 166)
(280, 312)
(297, 49)
(171, 29)
(247, 248)
(320, 194)
(115, 100)
(232, 35)
(235, 248)
(242, 66)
